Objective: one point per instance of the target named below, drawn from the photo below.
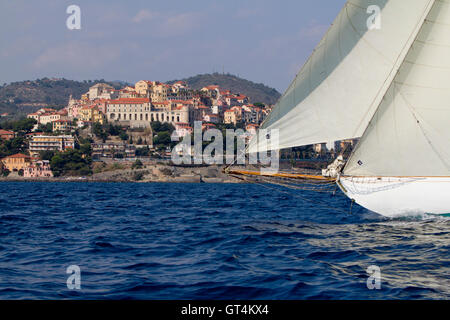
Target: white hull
(398, 196)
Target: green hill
(19, 98)
(257, 92)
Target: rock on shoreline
(158, 173)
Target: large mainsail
(409, 133)
(341, 85)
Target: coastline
(148, 174)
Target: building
(211, 118)
(101, 91)
(127, 110)
(139, 112)
(320, 148)
(46, 112)
(252, 128)
(183, 129)
(113, 150)
(91, 113)
(217, 110)
(143, 87)
(241, 99)
(211, 91)
(62, 125)
(38, 169)
(159, 92)
(16, 162)
(345, 145)
(6, 135)
(56, 143)
(49, 117)
(230, 117)
(179, 87)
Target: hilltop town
(125, 134)
(119, 128)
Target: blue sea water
(211, 241)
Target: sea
(212, 241)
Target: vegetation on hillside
(257, 92)
(19, 98)
(73, 162)
(163, 134)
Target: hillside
(257, 92)
(18, 98)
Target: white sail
(409, 134)
(340, 87)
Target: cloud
(144, 15)
(180, 24)
(166, 24)
(77, 56)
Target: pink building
(38, 169)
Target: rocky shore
(155, 173)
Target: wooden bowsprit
(294, 176)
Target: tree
(161, 127)
(114, 130)
(70, 162)
(162, 138)
(24, 124)
(143, 152)
(137, 165)
(46, 128)
(123, 136)
(13, 146)
(86, 149)
(46, 154)
(99, 131)
(5, 172)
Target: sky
(266, 41)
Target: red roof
(5, 132)
(129, 101)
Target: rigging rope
(319, 204)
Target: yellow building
(16, 162)
(143, 87)
(62, 125)
(91, 113)
(57, 143)
(159, 92)
(229, 117)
